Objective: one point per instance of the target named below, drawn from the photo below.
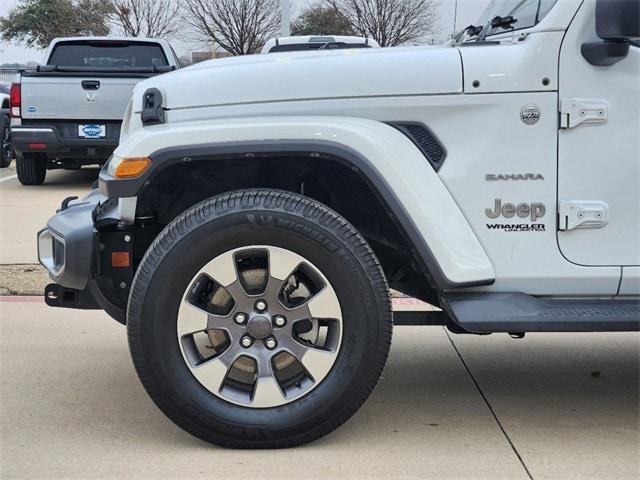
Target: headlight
(51, 252)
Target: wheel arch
(333, 160)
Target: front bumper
(66, 246)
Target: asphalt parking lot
(550, 406)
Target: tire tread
(233, 202)
(32, 169)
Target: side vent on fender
(426, 141)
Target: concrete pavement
(448, 407)
(25, 210)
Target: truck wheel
(6, 152)
(259, 319)
(32, 168)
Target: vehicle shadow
(71, 178)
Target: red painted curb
(21, 299)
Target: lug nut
(280, 321)
(261, 306)
(240, 318)
(246, 342)
(270, 343)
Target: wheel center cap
(259, 327)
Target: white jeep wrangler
(258, 210)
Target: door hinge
(583, 111)
(582, 214)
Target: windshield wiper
(471, 31)
(497, 22)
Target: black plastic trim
(90, 84)
(112, 310)
(409, 130)
(164, 158)
(418, 318)
(519, 312)
(75, 226)
(92, 74)
(152, 110)
(58, 296)
(90, 298)
(605, 54)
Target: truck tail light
(37, 146)
(15, 99)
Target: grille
(425, 141)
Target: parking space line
(6, 179)
(486, 401)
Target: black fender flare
(161, 159)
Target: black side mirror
(617, 24)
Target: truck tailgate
(75, 97)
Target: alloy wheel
(260, 326)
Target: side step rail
(519, 313)
(419, 318)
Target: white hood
(296, 76)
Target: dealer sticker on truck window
(92, 131)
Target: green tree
(35, 23)
(321, 20)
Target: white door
(599, 152)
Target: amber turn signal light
(120, 259)
(131, 167)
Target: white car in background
(324, 42)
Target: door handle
(90, 84)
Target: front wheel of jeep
(259, 319)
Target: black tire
(6, 152)
(259, 217)
(32, 168)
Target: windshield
(528, 13)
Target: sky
(468, 12)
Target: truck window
(108, 55)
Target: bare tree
(319, 19)
(390, 22)
(240, 27)
(146, 18)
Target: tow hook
(65, 204)
(57, 296)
